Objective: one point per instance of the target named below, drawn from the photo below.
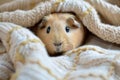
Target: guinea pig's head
(60, 32)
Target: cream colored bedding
(4, 1)
(24, 56)
(93, 40)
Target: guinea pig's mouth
(58, 52)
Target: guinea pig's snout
(58, 47)
(57, 44)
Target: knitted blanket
(24, 57)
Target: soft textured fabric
(26, 55)
(23, 55)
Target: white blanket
(25, 57)
(31, 61)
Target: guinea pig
(60, 32)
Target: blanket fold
(24, 56)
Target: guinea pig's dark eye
(48, 29)
(67, 29)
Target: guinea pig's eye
(48, 29)
(67, 29)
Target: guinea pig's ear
(43, 23)
(73, 22)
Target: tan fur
(58, 34)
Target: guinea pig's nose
(57, 44)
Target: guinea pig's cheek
(50, 48)
(68, 47)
